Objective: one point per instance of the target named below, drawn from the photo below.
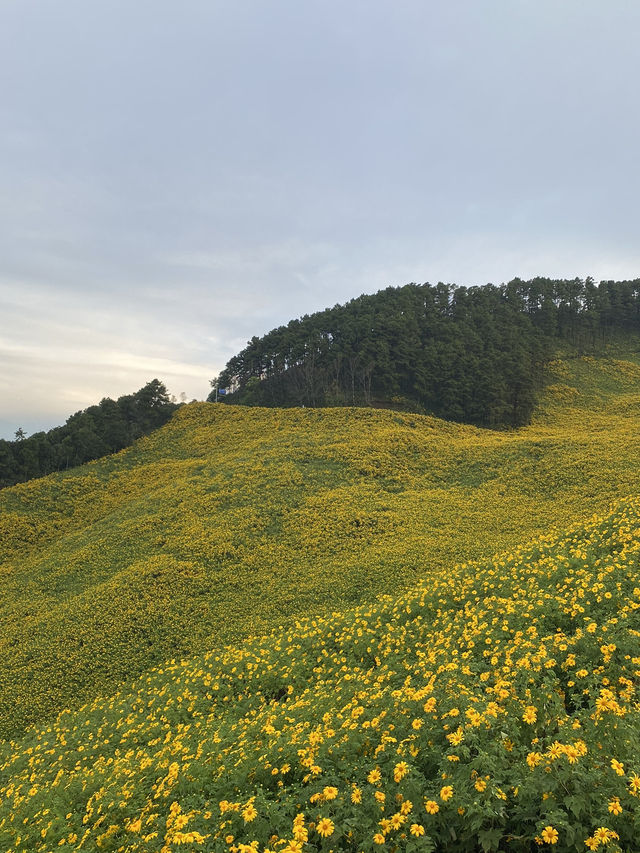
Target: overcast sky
(177, 176)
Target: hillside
(229, 521)
(469, 354)
(493, 706)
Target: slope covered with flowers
(229, 520)
(493, 706)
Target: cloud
(177, 180)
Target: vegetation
(494, 706)
(386, 684)
(269, 514)
(87, 435)
(474, 355)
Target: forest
(88, 434)
(475, 355)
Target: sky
(176, 177)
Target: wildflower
(480, 785)
(249, 813)
(456, 737)
(356, 795)
(329, 793)
(374, 776)
(530, 714)
(397, 820)
(446, 793)
(615, 807)
(400, 771)
(431, 806)
(602, 835)
(550, 835)
(325, 827)
(378, 838)
(417, 829)
(618, 766)
(533, 759)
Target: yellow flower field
(229, 521)
(493, 706)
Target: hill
(493, 706)
(229, 521)
(475, 355)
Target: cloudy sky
(176, 177)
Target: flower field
(493, 706)
(286, 630)
(229, 520)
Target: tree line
(475, 355)
(86, 435)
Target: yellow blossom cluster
(304, 739)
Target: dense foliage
(466, 354)
(230, 519)
(87, 435)
(493, 707)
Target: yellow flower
(378, 838)
(417, 829)
(385, 825)
(356, 795)
(602, 835)
(533, 759)
(550, 835)
(325, 827)
(480, 785)
(300, 833)
(374, 776)
(456, 737)
(329, 793)
(618, 766)
(406, 807)
(431, 806)
(400, 771)
(249, 813)
(397, 820)
(615, 807)
(446, 793)
(530, 714)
